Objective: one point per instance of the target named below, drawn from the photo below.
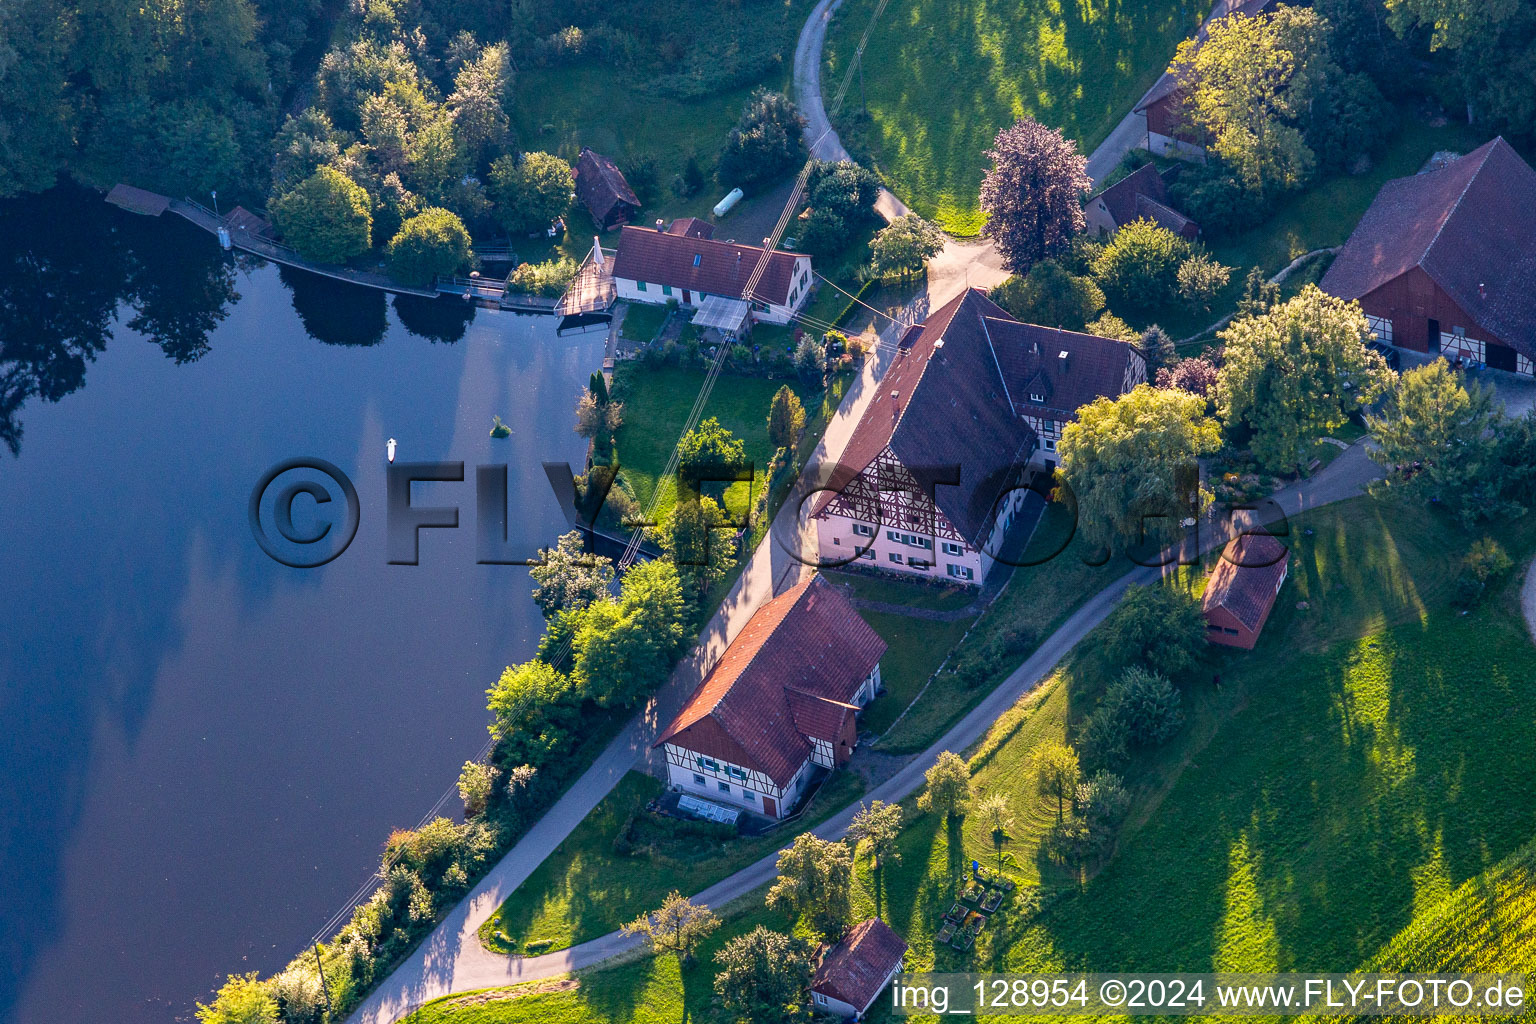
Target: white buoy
(389, 447)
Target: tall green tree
(1056, 773)
(533, 709)
(1052, 296)
(530, 191)
(676, 927)
(241, 1000)
(697, 534)
(327, 217)
(1449, 429)
(764, 976)
(876, 826)
(1158, 626)
(710, 452)
(1295, 373)
(1132, 462)
(816, 882)
(786, 418)
(431, 244)
(1251, 84)
(1139, 268)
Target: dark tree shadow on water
(335, 312)
(442, 320)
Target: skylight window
(696, 257)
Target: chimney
(658, 224)
(1061, 361)
(1482, 290)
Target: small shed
(601, 187)
(856, 970)
(1242, 589)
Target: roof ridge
(996, 362)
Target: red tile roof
(793, 671)
(601, 186)
(945, 405)
(702, 264)
(857, 967)
(1247, 578)
(1471, 226)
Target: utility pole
(324, 990)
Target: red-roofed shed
(856, 970)
(1242, 589)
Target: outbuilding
(853, 973)
(603, 190)
(1242, 589)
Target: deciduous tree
(1448, 429)
(477, 780)
(1056, 773)
(763, 976)
(1158, 626)
(327, 217)
(1296, 373)
(241, 1000)
(816, 882)
(676, 927)
(569, 576)
(948, 789)
(433, 243)
(1033, 194)
(877, 826)
(1052, 296)
(530, 191)
(1139, 268)
(1132, 461)
(786, 418)
(533, 711)
(905, 246)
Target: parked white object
(389, 447)
(732, 197)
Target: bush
(1352, 121)
(548, 278)
(1200, 278)
(1213, 195)
(1197, 375)
(1139, 268)
(1052, 296)
(1158, 627)
(432, 243)
(1484, 565)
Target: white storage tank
(732, 197)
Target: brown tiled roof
(1470, 225)
(601, 186)
(855, 969)
(691, 227)
(1247, 577)
(943, 406)
(702, 264)
(1143, 194)
(794, 669)
(1095, 367)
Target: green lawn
(915, 649)
(656, 404)
(587, 888)
(942, 76)
(642, 322)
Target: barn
(603, 190)
(1445, 261)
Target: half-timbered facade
(1445, 261)
(781, 703)
(938, 466)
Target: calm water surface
(202, 750)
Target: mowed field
(942, 76)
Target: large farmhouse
(781, 703)
(703, 273)
(936, 468)
(1445, 261)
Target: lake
(204, 750)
